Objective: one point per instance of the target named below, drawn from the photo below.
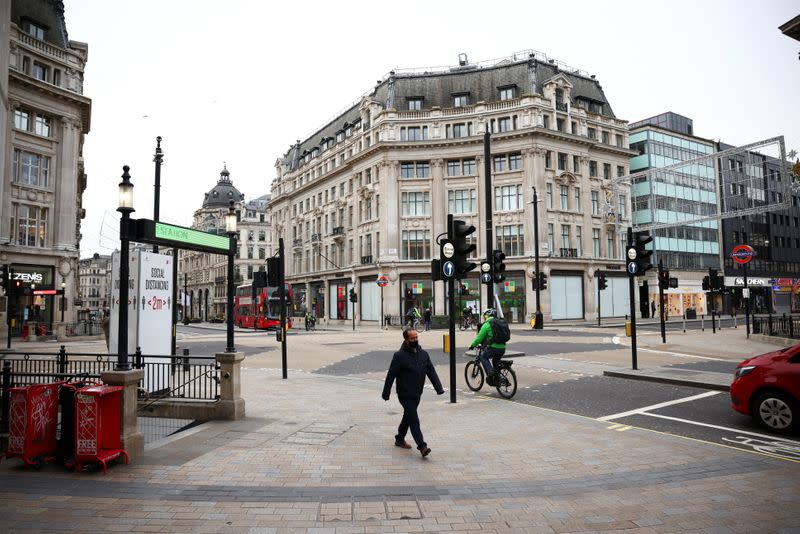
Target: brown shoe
(402, 444)
(425, 452)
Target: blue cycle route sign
(448, 269)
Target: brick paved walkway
(315, 454)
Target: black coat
(410, 369)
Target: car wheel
(776, 411)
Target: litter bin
(33, 419)
(97, 426)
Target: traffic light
(353, 295)
(706, 283)
(260, 279)
(498, 266)
(535, 281)
(542, 281)
(436, 270)
(640, 240)
(663, 278)
(459, 234)
(716, 283)
(602, 283)
(274, 272)
(4, 277)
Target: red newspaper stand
(32, 423)
(97, 425)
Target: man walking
(427, 317)
(410, 365)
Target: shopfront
(615, 298)
(688, 300)
(369, 299)
(786, 295)
(28, 311)
(566, 294)
(317, 298)
(760, 294)
(511, 293)
(340, 306)
(299, 302)
(417, 292)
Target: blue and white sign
(486, 278)
(632, 267)
(448, 269)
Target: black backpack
(500, 331)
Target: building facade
(94, 287)
(43, 175)
(202, 276)
(368, 193)
(690, 250)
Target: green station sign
(179, 234)
(170, 235)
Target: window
(622, 201)
(262, 235)
(39, 71)
(514, 162)
(416, 203)
(564, 238)
(606, 170)
(562, 161)
(574, 128)
(549, 195)
(504, 124)
(415, 103)
(506, 93)
(22, 119)
(576, 164)
(610, 244)
(499, 163)
(546, 121)
(550, 239)
(262, 253)
(560, 124)
(548, 160)
(415, 244)
(564, 190)
(459, 101)
(595, 203)
(458, 130)
(418, 169)
(577, 206)
(604, 137)
(579, 241)
(30, 169)
(461, 201)
(593, 168)
(510, 239)
(414, 133)
(591, 133)
(620, 170)
(618, 139)
(454, 167)
(35, 30)
(508, 198)
(29, 225)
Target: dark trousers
(410, 420)
(495, 354)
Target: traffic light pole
(487, 172)
(451, 304)
(661, 303)
(633, 306)
(746, 302)
(598, 302)
(538, 324)
(711, 285)
(282, 289)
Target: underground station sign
(742, 253)
(170, 235)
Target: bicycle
(505, 377)
(468, 323)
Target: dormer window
(460, 100)
(415, 103)
(339, 136)
(34, 30)
(508, 92)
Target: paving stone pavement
(315, 454)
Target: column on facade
(438, 226)
(481, 224)
(540, 181)
(64, 219)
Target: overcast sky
(239, 81)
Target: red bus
(267, 308)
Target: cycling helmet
(490, 313)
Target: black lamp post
(125, 208)
(158, 157)
(539, 317)
(230, 229)
(63, 297)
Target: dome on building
(222, 193)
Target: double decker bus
(265, 312)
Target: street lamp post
(63, 296)
(539, 317)
(125, 208)
(158, 157)
(230, 229)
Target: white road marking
(734, 430)
(618, 341)
(657, 406)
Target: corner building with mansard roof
(369, 192)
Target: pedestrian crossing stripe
(619, 428)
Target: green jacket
(485, 335)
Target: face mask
(413, 344)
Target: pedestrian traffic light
(436, 270)
(542, 281)
(715, 282)
(353, 295)
(274, 272)
(459, 234)
(706, 283)
(260, 279)
(498, 265)
(663, 278)
(640, 241)
(4, 276)
(602, 283)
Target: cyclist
(493, 350)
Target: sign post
(382, 281)
(742, 254)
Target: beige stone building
(202, 276)
(45, 119)
(369, 192)
(94, 287)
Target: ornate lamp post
(63, 296)
(230, 229)
(125, 208)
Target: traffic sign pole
(632, 295)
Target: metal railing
(783, 326)
(568, 252)
(83, 328)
